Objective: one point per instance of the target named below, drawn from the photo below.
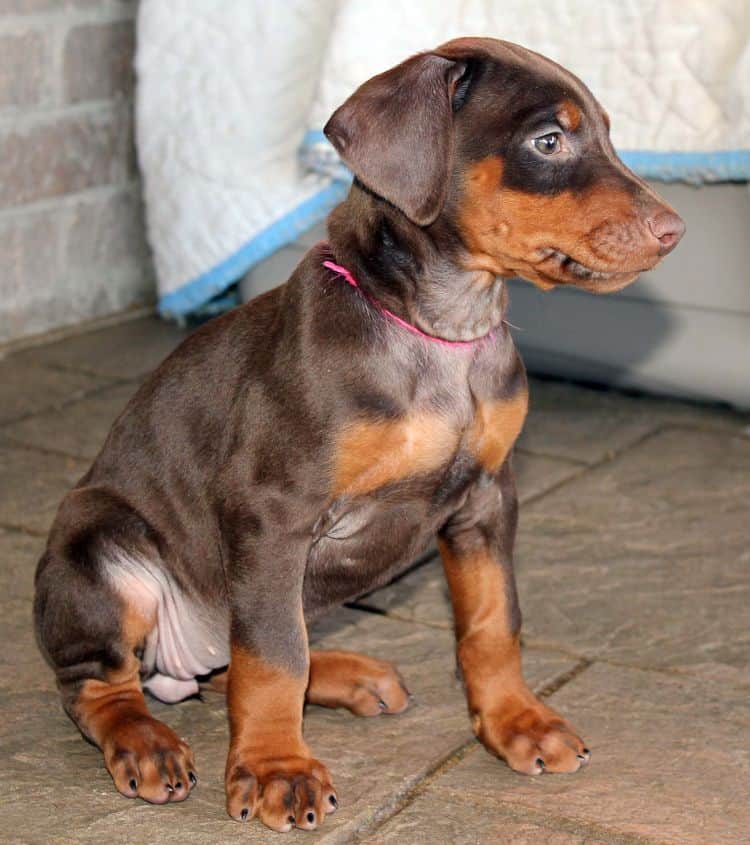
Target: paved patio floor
(634, 564)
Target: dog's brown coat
(302, 449)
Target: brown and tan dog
(304, 448)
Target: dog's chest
(372, 455)
(394, 483)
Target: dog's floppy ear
(396, 134)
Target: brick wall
(72, 243)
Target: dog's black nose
(667, 227)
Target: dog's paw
(364, 685)
(378, 689)
(148, 760)
(284, 793)
(531, 737)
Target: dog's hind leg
(94, 637)
(364, 685)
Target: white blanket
(226, 91)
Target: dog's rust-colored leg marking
(364, 685)
(270, 772)
(373, 454)
(145, 758)
(506, 716)
(495, 429)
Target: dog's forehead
(550, 78)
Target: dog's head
(513, 153)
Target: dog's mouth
(571, 267)
(562, 268)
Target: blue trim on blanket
(694, 167)
(314, 136)
(193, 295)
(664, 166)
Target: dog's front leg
(477, 547)
(270, 772)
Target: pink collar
(344, 273)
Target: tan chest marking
(495, 428)
(373, 454)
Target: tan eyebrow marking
(569, 115)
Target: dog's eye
(549, 144)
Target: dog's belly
(186, 637)
(361, 544)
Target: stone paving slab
(43, 760)
(583, 424)
(129, 350)
(26, 388)
(18, 556)
(80, 429)
(33, 484)
(670, 764)
(452, 818)
(21, 664)
(644, 560)
(536, 474)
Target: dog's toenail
(586, 751)
(540, 762)
(193, 778)
(133, 784)
(244, 814)
(170, 788)
(382, 705)
(290, 819)
(178, 785)
(332, 799)
(311, 817)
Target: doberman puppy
(306, 447)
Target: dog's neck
(414, 272)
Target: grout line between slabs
(78, 396)
(83, 370)
(22, 529)
(563, 459)
(739, 433)
(16, 443)
(607, 458)
(63, 333)
(519, 813)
